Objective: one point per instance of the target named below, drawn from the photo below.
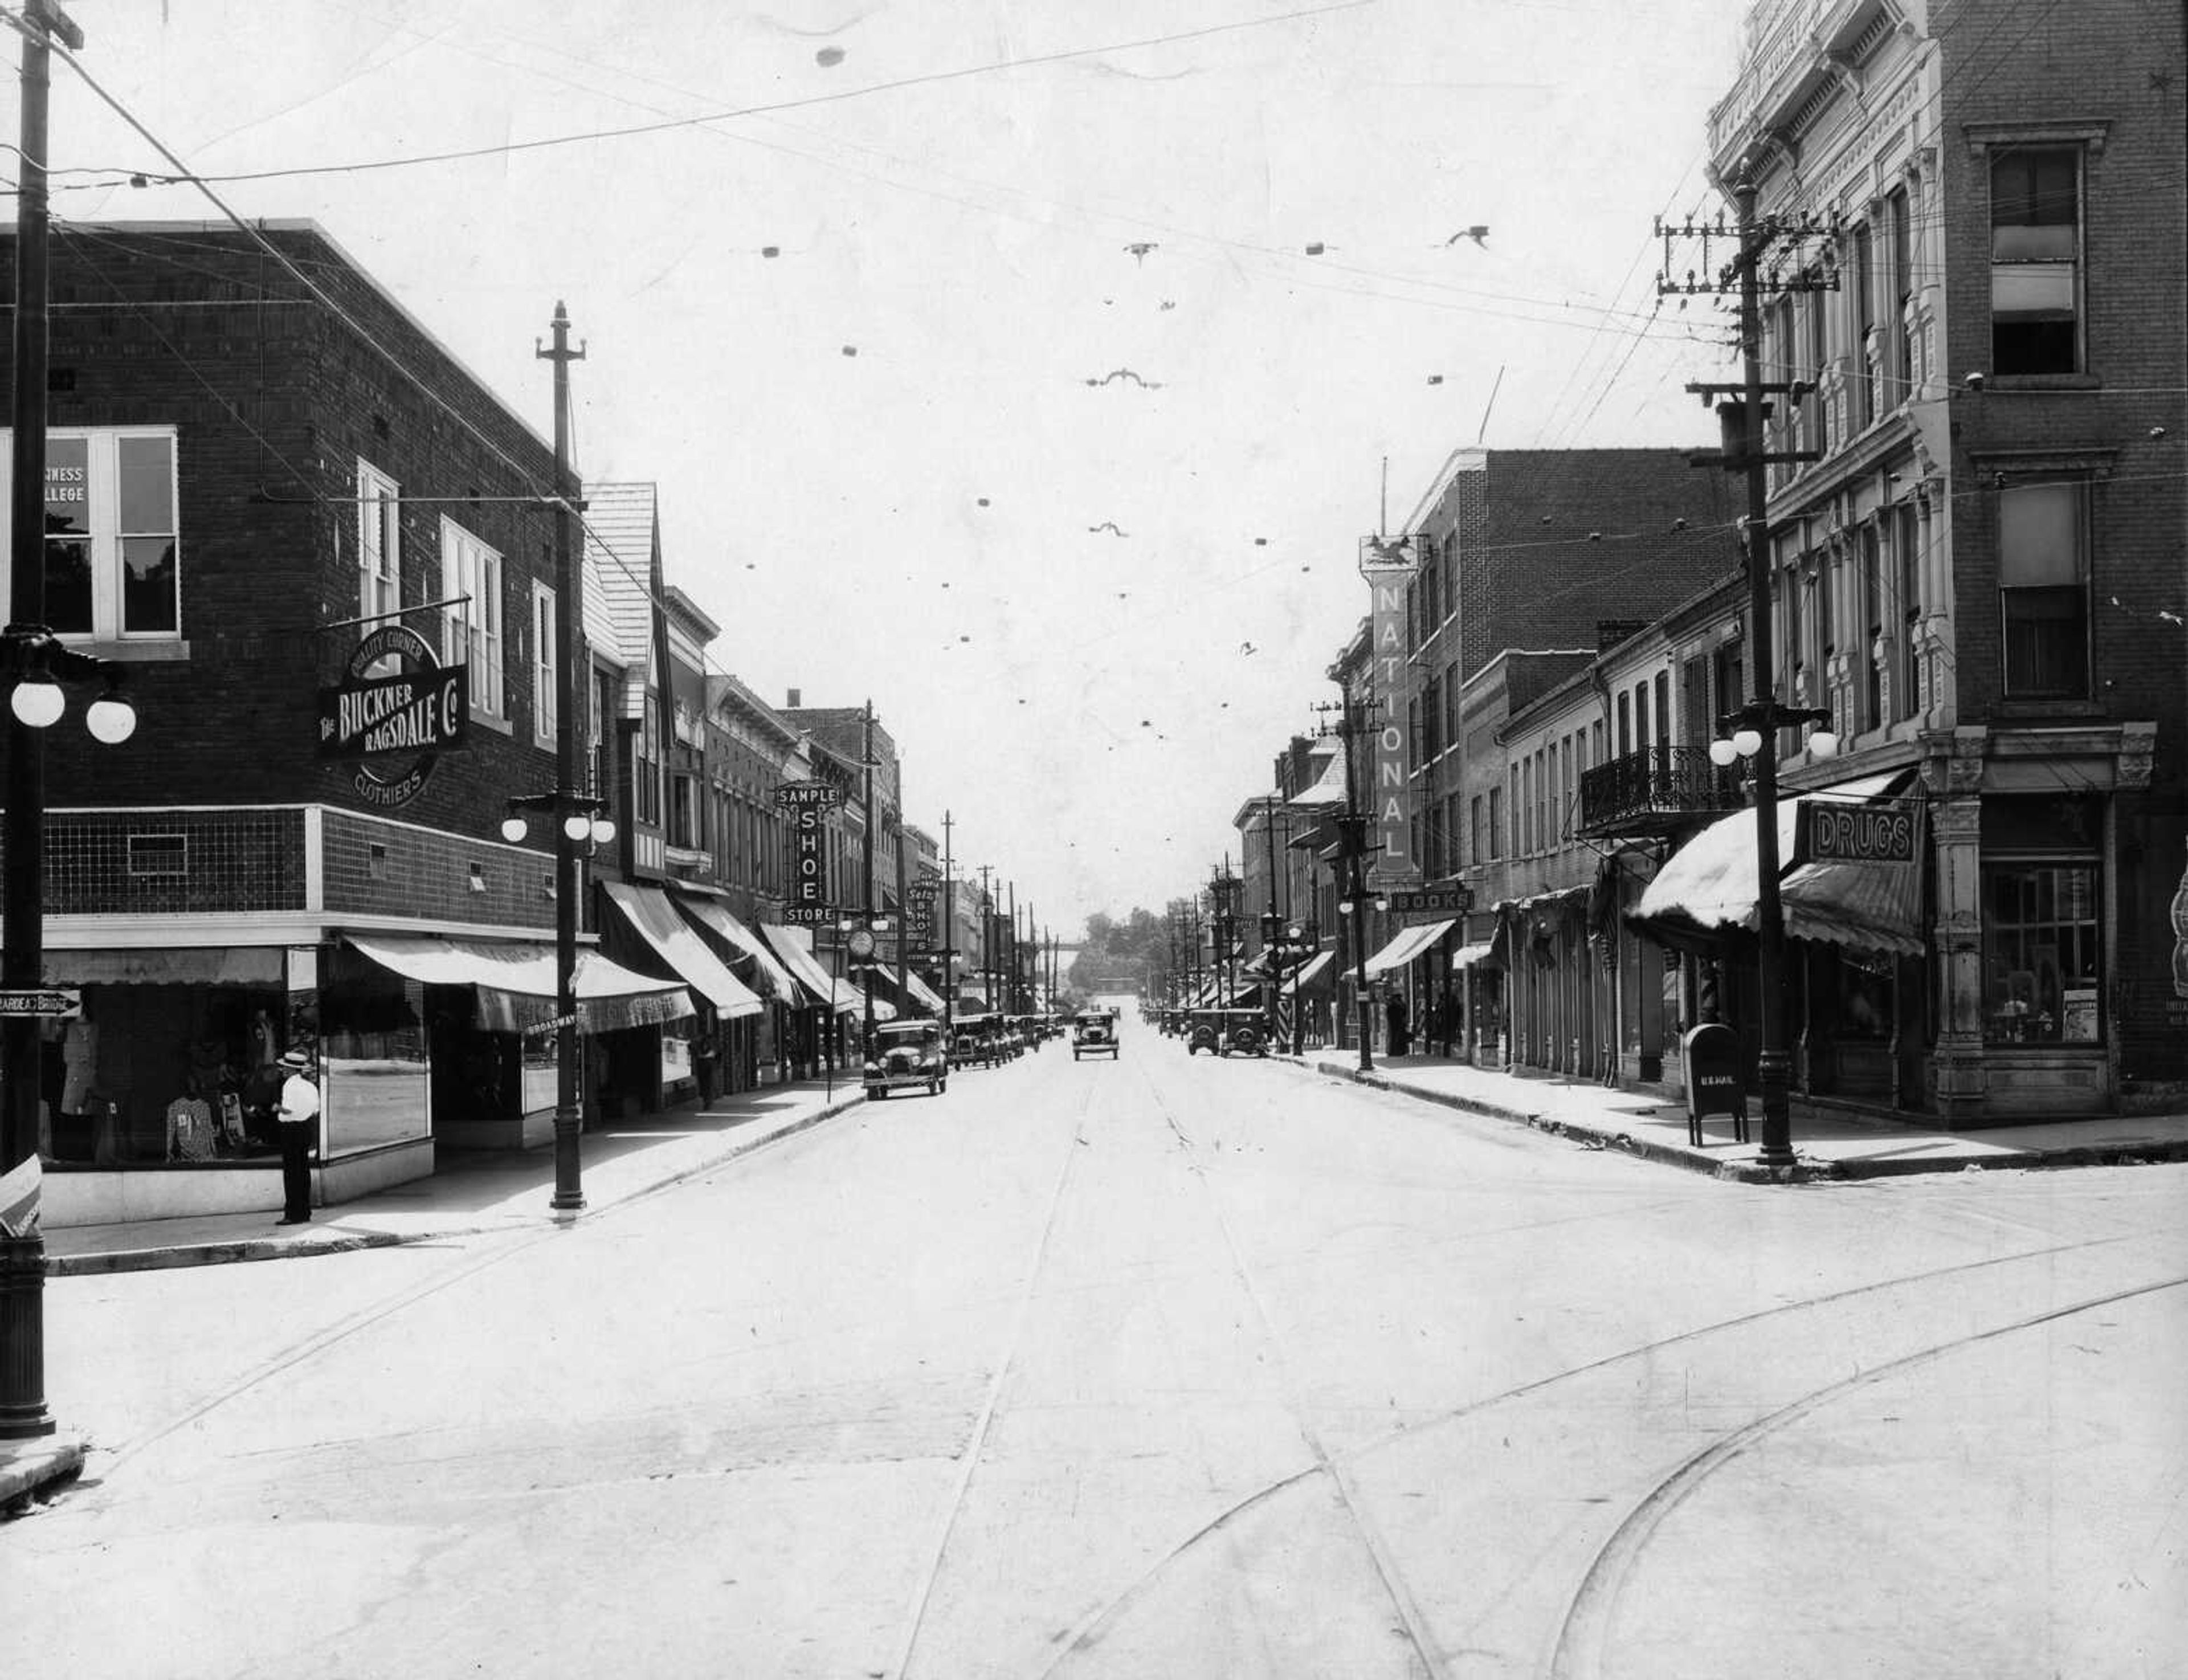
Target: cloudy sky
(1053, 420)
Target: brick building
(1973, 577)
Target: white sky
(967, 234)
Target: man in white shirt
(300, 1117)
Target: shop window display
(153, 1076)
(2041, 963)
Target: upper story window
(2035, 257)
(546, 653)
(112, 571)
(2044, 588)
(471, 626)
(379, 545)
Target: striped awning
(1710, 882)
(515, 981)
(1410, 943)
(793, 945)
(668, 938)
(768, 977)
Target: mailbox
(1710, 1055)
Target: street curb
(1807, 1169)
(235, 1251)
(28, 1469)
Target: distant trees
(1131, 955)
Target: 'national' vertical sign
(1388, 564)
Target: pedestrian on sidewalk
(1396, 1045)
(299, 1116)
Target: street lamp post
(1753, 736)
(32, 659)
(569, 1195)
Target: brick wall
(378, 868)
(173, 863)
(275, 398)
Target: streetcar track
(365, 1318)
(1584, 1630)
(969, 1457)
(1092, 1629)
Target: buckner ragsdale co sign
(415, 715)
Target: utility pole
(1010, 986)
(1741, 418)
(23, 1410)
(866, 916)
(949, 931)
(569, 1191)
(987, 939)
(1351, 886)
(903, 934)
(1273, 940)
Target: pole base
(23, 1414)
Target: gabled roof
(622, 529)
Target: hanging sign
(411, 717)
(919, 914)
(808, 862)
(1388, 564)
(1825, 831)
(1442, 900)
(792, 795)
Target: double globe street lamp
(34, 663)
(1752, 735)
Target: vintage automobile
(907, 1053)
(973, 1041)
(1220, 1031)
(1094, 1033)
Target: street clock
(860, 943)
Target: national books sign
(1388, 564)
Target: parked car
(1094, 1033)
(972, 1042)
(907, 1053)
(1220, 1031)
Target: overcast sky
(1090, 614)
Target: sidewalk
(473, 1192)
(1653, 1124)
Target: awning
(770, 976)
(515, 981)
(1467, 956)
(1710, 882)
(794, 947)
(850, 998)
(1316, 964)
(1410, 943)
(180, 966)
(654, 919)
(923, 993)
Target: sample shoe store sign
(393, 727)
(807, 804)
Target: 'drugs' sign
(1388, 564)
(394, 726)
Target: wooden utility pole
(569, 1194)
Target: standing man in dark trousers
(300, 1120)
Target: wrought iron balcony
(1656, 791)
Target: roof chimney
(794, 700)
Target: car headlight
(873, 1067)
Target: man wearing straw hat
(300, 1113)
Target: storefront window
(156, 1072)
(374, 1082)
(2041, 963)
(1865, 997)
(676, 1050)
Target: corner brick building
(246, 475)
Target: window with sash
(2044, 588)
(112, 539)
(2036, 259)
(471, 632)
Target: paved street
(1163, 1368)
